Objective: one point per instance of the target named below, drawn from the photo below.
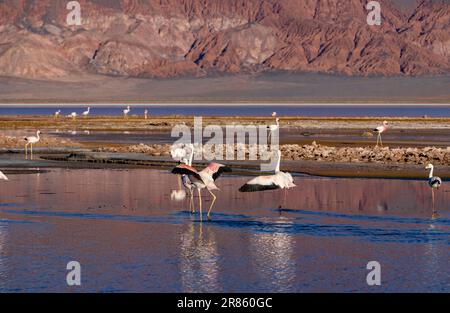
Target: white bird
(379, 130)
(30, 142)
(3, 176)
(73, 115)
(86, 113)
(434, 182)
(274, 114)
(180, 154)
(274, 127)
(126, 111)
(57, 113)
(279, 180)
(203, 179)
(145, 113)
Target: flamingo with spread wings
(203, 180)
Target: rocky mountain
(168, 38)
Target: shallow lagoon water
(128, 235)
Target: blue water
(246, 110)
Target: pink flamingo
(379, 130)
(279, 180)
(203, 179)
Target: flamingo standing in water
(274, 114)
(57, 113)
(31, 141)
(379, 130)
(435, 183)
(86, 113)
(279, 180)
(145, 114)
(203, 179)
(3, 176)
(126, 111)
(180, 154)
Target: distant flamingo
(126, 111)
(273, 128)
(203, 179)
(435, 183)
(145, 114)
(86, 113)
(274, 114)
(73, 115)
(280, 180)
(31, 141)
(57, 113)
(3, 176)
(379, 130)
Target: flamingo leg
(26, 151)
(31, 151)
(212, 203)
(200, 203)
(191, 202)
(435, 214)
(381, 142)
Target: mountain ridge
(170, 38)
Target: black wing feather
(253, 188)
(184, 171)
(222, 169)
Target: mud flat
(134, 122)
(341, 156)
(138, 160)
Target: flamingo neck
(37, 135)
(277, 169)
(191, 157)
(431, 172)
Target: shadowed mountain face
(167, 38)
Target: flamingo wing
(184, 169)
(435, 182)
(260, 183)
(3, 176)
(217, 170)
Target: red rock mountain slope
(166, 38)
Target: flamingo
(279, 180)
(126, 111)
(274, 114)
(3, 176)
(180, 154)
(146, 114)
(274, 127)
(86, 113)
(203, 179)
(379, 130)
(435, 183)
(73, 115)
(31, 141)
(57, 113)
